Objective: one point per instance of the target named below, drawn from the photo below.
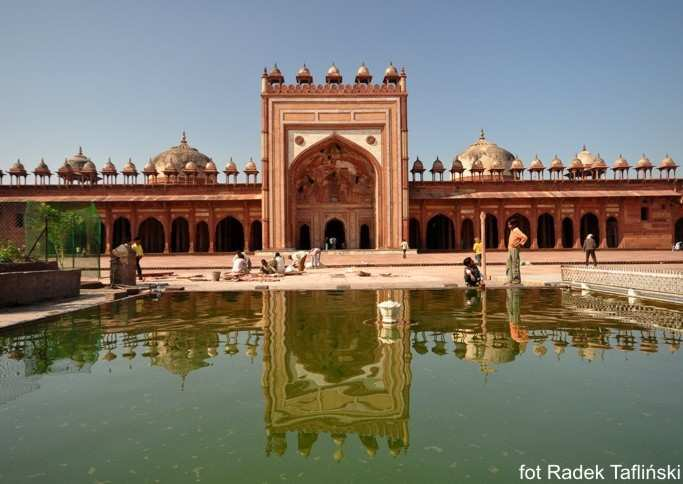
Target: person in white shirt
(239, 265)
(314, 253)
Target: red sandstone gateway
(334, 163)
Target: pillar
(167, 231)
(576, 221)
(501, 220)
(212, 229)
(602, 221)
(533, 226)
(193, 228)
(247, 226)
(108, 231)
(558, 226)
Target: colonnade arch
(678, 230)
(414, 237)
(567, 233)
(440, 233)
(545, 231)
(466, 234)
(612, 235)
(255, 236)
(151, 233)
(201, 243)
(121, 232)
(180, 235)
(491, 227)
(229, 235)
(590, 225)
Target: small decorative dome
(109, 167)
(250, 167)
(576, 164)
(210, 167)
(536, 164)
(304, 76)
(89, 168)
(65, 169)
(78, 160)
(644, 162)
(556, 163)
(275, 76)
(668, 162)
(517, 165)
(333, 75)
(170, 169)
(150, 168)
(599, 163)
(17, 169)
(391, 74)
(457, 167)
(437, 166)
(363, 74)
(190, 167)
(231, 168)
(418, 167)
(478, 165)
(42, 168)
(129, 168)
(496, 165)
(620, 163)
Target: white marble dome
(179, 156)
(486, 153)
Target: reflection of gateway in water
(314, 397)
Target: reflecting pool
(307, 387)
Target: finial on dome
(482, 135)
(183, 139)
(80, 150)
(583, 148)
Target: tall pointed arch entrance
(333, 187)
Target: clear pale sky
(123, 79)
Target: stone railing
(648, 282)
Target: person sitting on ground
(314, 253)
(472, 274)
(279, 263)
(267, 268)
(589, 246)
(239, 265)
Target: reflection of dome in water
(179, 156)
(183, 352)
(494, 348)
(488, 155)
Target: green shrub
(9, 252)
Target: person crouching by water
(516, 240)
(589, 246)
(472, 274)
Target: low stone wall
(17, 288)
(28, 266)
(646, 282)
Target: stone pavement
(358, 258)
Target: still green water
(305, 387)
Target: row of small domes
(333, 75)
(537, 165)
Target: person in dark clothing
(472, 274)
(589, 246)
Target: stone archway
(229, 235)
(334, 229)
(334, 179)
(590, 225)
(440, 233)
(121, 232)
(180, 235)
(151, 233)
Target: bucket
(216, 275)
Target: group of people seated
(241, 264)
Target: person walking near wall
(404, 248)
(139, 254)
(516, 240)
(589, 246)
(477, 250)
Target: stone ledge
(20, 288)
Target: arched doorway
(365, 236)
(524, 226)
(612, 233)
(567, 233)
(467, 234)
(590, 225)
(304, 237)
(678, 231)
(491, 224)
(335, 229)
(151, 234)
(201, 243)
(414, 238)
(326, 175)
(255, 239)
(440, 233)
(545, 234)
(229, 235)
(180, 235)
(121, 232)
